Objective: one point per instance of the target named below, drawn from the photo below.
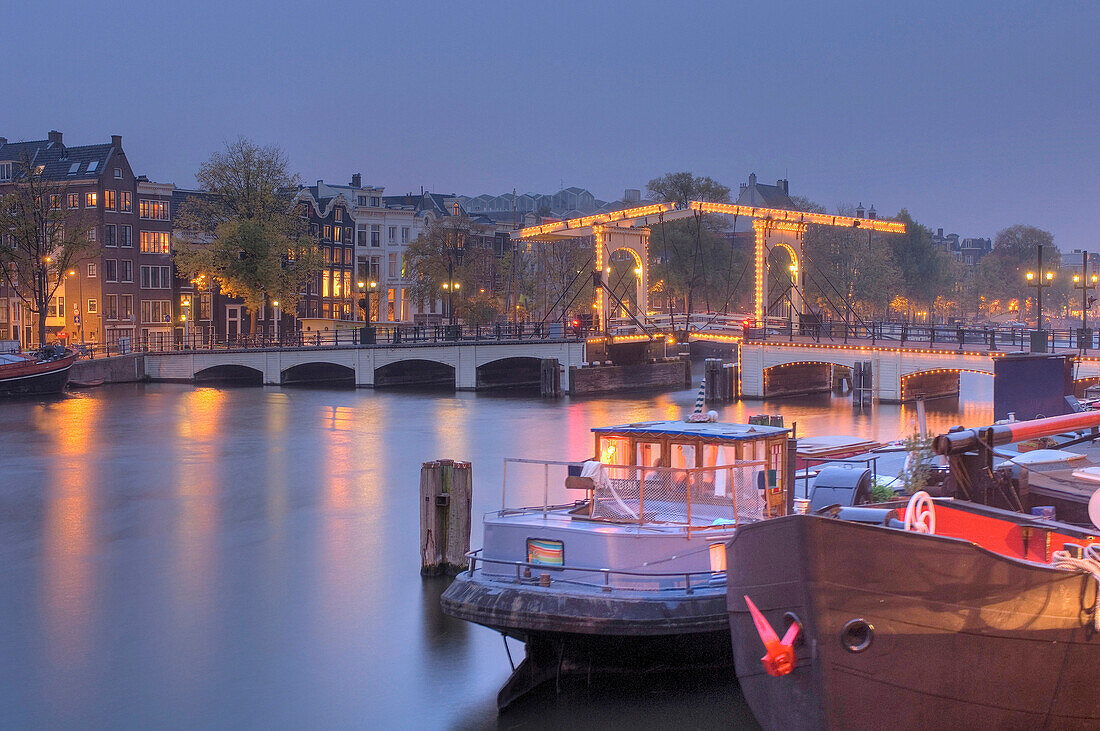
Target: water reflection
(250, 556)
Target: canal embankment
(116, 369)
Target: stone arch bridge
(775, 368)
(469, 366)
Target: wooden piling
(720, 381)
(550, 378)
(446, 490)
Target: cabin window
(682, 456)
(649, 454)
(718, 557)
(615, 450)
(545, 552)
(719, 481)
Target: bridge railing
(382, 336)
(942, 336)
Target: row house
(123, 287)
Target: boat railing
(699, 498)
(605, 579)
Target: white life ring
(920, 513)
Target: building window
(206, 305)
(5, 171)
(110, 235)
(110, 270)
(361, 234)
(156, 311)
(125, 270)
(361, 200)
(154, 242)
(375, 235)
(109, 200)
(55, 201)
(91, 234)
(152, 209)
(93, 306)
(118, 173)
(339, 212)
(327, 234)
(376, 201)
(125, 236)
(127, 204)
(392, 268)
(91, 269)
(126, 306)
(91, 199)
(74, 200)
(393, 233)
(155, 277)
(404, 234)
(110, 304)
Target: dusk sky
(974, 116)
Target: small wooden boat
(43, 372)
(86, 383)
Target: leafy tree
(692, 251)
(927, 270)
(243, 234)
(446, 252)
(43, 240)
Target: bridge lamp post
(275, 304)
(79, 304)
(1039, 282)
(358, 301)
(450, 287)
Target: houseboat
(630, 574)
(45, 371)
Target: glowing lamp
(1076, 278)
(1050, 276)
(1030, 276)
(275, 303)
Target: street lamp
(76, 310)
(362, 285)
(278, 316)
(185, 318)
(1039, 281)
(1085, 282)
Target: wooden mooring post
(446, 490)
(550, 378)
(720, 381)
(862, 383)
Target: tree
(686, 258)
(243, 234)
(446, 253)
(43, 239)
(927, 270)
(1000, 276)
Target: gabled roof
(58, 161)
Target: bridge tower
(771, 233)
(635, 241)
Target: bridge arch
(230, 374)
(415, 372)
(800, 377)
(510, 372)
(933, 382)
(318, 373)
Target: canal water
(174, 556)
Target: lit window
(109, 200)
(74, 200)
(154, 242)
(91, 269)
(93, 306)
(327, 232)
(153, 209)
(127, 203)
(91, 200)
(339, 214)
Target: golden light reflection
(68, 528)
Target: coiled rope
(1089, 563)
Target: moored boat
(43, 372)
(631, 574)
(988, 622)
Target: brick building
(123, 288)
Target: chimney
(752, 179)
(632, 195)
(319, 184)
(939, 233)
(3, 141)
(357, 180)
(859, 210)
(116, 141)
(55, 136)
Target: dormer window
(339, 214)
(376, 201)
(73, 168)
(93, 165)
